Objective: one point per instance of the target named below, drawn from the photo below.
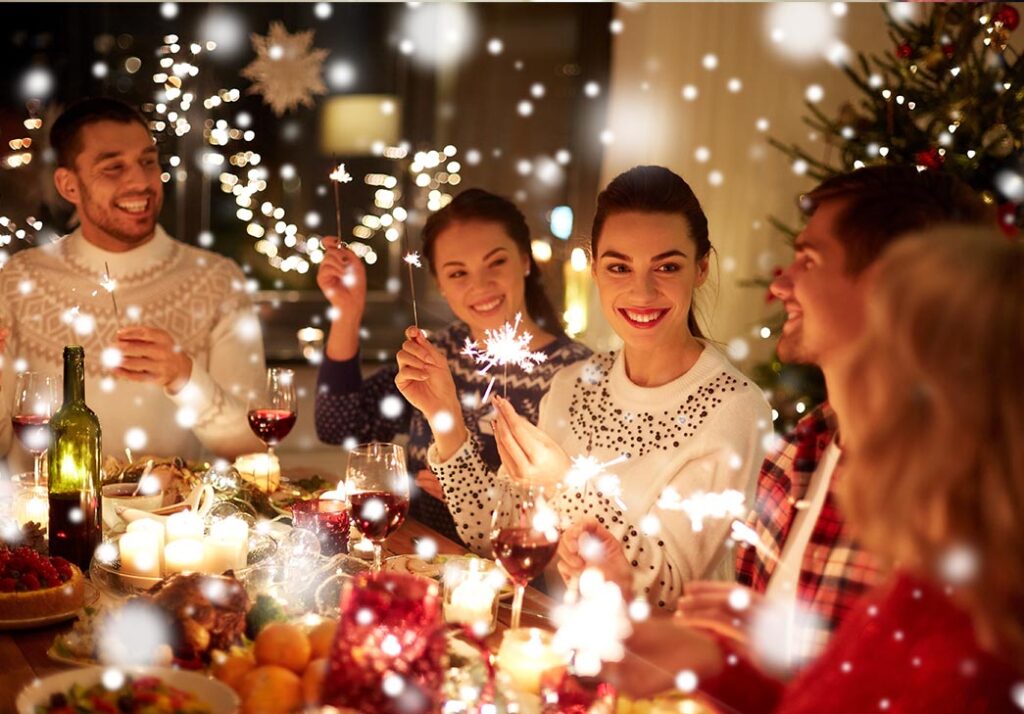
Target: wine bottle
(74, 469)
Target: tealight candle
(264, 470)
(470, 593)
(227, 546)
(32, 506)
(525, 654)
(183, 556)
(155, 527)
(185, 525)
(140, 553)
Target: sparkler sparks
(504, 347)
(338, 177)
(702, 505)
(588, 469)
(109, 284)
(597, 601)
(412, 259)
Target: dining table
(23, 653)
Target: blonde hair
(935, 432)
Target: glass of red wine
(377, 482)
(524, 537)
(272, 410)
(35, 401)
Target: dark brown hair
(476, 204)
(881, 203)
(654, 189)
(66, 132)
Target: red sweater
(906, 649)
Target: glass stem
(376, 557)
(37, 468)
(517, 605)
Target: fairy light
(503, 347)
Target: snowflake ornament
(504, 347)
(287, 69)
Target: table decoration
(327, 517)
(525, 654)
(471, 587)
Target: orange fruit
(321, 637)
(270, 690)
(283, 644)
(313, 681)
(231, 668)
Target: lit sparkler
(413, 260)
(596, 601)
(109, 284)
(503, 347)
(588, 469)
(701, 505)
(338, 176)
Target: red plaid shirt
(835, 571)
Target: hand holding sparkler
(587, 543)
(338, 176)
(724, 608)
(341, 277)
(527, 453)
(426, 382)
(413, 260)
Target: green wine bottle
(74, 469)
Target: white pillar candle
(525, 654)
(32, 505)
(183, 556)
(151, 525)
(471, 602)
(185, 525)
(228, 545)
(140, 553)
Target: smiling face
(646, 270)
(481, 274)
(824, 304)
(115, 184)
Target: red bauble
(930, 159)
(1008, 15)
(904, 50)
(948, 49)
(1007, 216)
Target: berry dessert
(35, 586)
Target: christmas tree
(949, 96)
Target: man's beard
(105, 220)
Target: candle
(328, 518)
(183, 556)
(155, 527)
(525, 654)
(469, 594)
(32, 505)
(264, 470)
(227, 546)
(184, 525)
(140, 553)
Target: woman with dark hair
(676, 418)
(478, 249)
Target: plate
(216, 695)
(433, 568)
(91, 596)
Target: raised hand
(426, 382)
(588, 544)
(725, 608)
(528, 454)
(150, 354)
(342, 279)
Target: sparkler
(700, 505)
(597, 601)
(109, 284)
(338, 176)
(413, 259)
(503, 347)
(588, 469)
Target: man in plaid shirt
(797, 552)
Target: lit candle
(525, 654)
(227, 546)
(140, 553)
(183, 556)
(156, 528)
(32, 505)
(264, 470)
(469, 595)
(184, 525)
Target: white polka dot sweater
(702, 432)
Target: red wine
(33, 431)
(74, 527)
(522, 552)
(378, 514)
(271, 425)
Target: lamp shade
(350, 124)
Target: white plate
(91, 596)
(216, 695)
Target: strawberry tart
(34, 586)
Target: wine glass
(524, 537)
(35, 401)
(377, 482)
(272, 410)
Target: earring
(526, 273)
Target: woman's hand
(588, 544)
(428, 483)
(528, 454)
(725, 608)
(426, 382)
(342, 279)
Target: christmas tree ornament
(1006, 15)
(904, 50)
(286, 71)
(998, 141)
(930, 159)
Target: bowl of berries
(37, 590)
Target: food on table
(231, 667)
(36, 586)
(31, 535)
(138, 695)
(283, 644)
(321, 638)
(264, 611)
(176, 477)
(270, 689)
(208, 613)
(313, 682)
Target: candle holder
(471, 587)
(29, 502)
(527, 653)
(563, 692)
(328, 519)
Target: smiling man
(171, 370)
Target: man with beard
(805, 567)
(171, 369)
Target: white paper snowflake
(287, 69)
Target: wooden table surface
(23, 652)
